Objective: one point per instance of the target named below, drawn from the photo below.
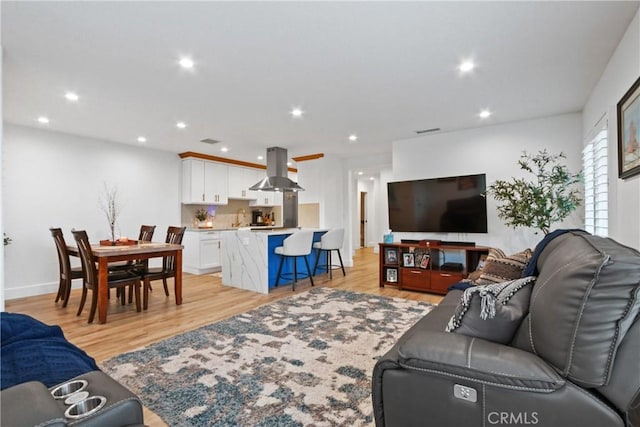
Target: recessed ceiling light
(484, 114)
(371, 178)
(353, 137)
(142, 139)
(466, 66)
(361, 173)
(71, 96)
(224, 149)
(44, 120)
(289, 163)
(260, 157)
(181, 125)
(186, 63)
(297, 112)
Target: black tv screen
(453, 204)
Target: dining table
(140, 251)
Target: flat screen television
(454, 204)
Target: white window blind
(596, 183)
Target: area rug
(301, 361)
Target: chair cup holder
(77, 398)
(87, 407)
(65, 390)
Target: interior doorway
(363, 218)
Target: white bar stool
(294, 246)
(330, 241)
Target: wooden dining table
(140, 251)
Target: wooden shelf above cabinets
(427, 268)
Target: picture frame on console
(628, 112)
(408, 260)
(390, 256)
(424, 262)
(392, 275)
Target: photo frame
(424, 262)
(390, 256)
(392, 275)
(408, 260)
(628, 112)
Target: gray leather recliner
(574, 361)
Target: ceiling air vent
(427, 130)
(209, 141)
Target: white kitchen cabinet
(204, 182)
(240, 179)
(267, 199)
(201, 254)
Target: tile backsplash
(226, 216)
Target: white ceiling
(382, 70)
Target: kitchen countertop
(254, 228)
(274, 231)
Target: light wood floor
(205, 301)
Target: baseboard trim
(37, 289)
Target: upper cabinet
(214, 183)
(204, 182)
(240, 179)
(267, 198)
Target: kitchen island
(249, 262)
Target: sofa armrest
(30, 404)
(461, 356)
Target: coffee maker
(257, 218)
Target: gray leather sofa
(574, 361)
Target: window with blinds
(596, 184)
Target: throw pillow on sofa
(492, 312)
(499, 267)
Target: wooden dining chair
(168, 269)
(116, 279)
(67, 273)
(146, 234)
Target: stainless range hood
(277, 173)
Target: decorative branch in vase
(546, 199)
(109, 205)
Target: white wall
(55, 180)
(621, 72)
(493, 150)
(325, 182)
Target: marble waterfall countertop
(248, 261)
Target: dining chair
(296, 245)
(146, 234)
(115, 279)
(168, 269)
(67, 273)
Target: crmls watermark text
(513, 418)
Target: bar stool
(330, 241)
(294, 246)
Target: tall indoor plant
(548, 197)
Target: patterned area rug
(304, 360)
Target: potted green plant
(549, 197)
(202, 215)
